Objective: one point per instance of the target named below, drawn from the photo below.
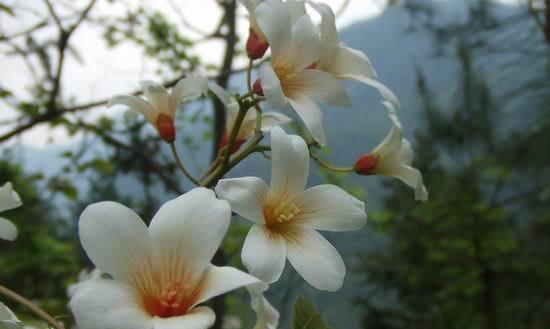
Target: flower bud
(312, 66)
(257, 88)
(255, 48)
(225, 140)
(365, 164)
(165, 127)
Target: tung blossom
(342, 62)
(9, 199)
(248, 126)
(161, 273)
(267, 317)
(286, 217)
(393, 157)
(292, 77)
(160, 106)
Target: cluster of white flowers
(158, 276)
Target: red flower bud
(165, 127)
(225, 140)
(312, 66)
(365, 164)
(255, 48)
(257, 88)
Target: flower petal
(271, 119)
(311, 115)
(271, 86)
(391, 145)
(115, 239)
(329, 34)
(135, 103)
(189, 88)
(408, 175)
(290, 164)
(264, 253)
(8, 320)
(329, 207)
(320, 86)
(220, 280)
(296, 8)
(386, 93)
(188, 230)
(267, 317)
(159, 98)
(347, 63)
(200, 317)
(316, 260)
(108, 304)
(305, 46)
(8, 231)
(221, 93)
(9, 199)
(246, 195)
(273, 19)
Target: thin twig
(181, 166)
(31, 306)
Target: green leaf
(306, 315)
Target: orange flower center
(279, 214)
(175, 299)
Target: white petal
(221, 93)
(311, 115)
(200, 317)
(319, 86)
(408, 175)
(267, 317)
(329, 207)
(7, 318)
(296, 8)
(347, 63)
(386, 93)
(220, 280)
(8, 231)
(189, 229)
(290, 164)
(406, 153)
(273, 19)
(9, 199)
(264, 253)
(316, 260)
(108, 304)
(271, 86)
(390, 146)
(329, 33)
(135, 103)
(305, 47)
(115, 239)
(246, 195)
(189, 88)
(158, 97)
(271, 119)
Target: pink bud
(255, 48)
(365, 164)
(165, 126)
(257, 88)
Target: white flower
(161, 273)
(257, 43)
(267, 317)
(8, 320)
(160, 107)
(286, 217)
(248, 126)
(393, 157)
(291, 76)
(9, 199)
(343, 62)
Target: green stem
(328, 166)
(180, 165)
(31, 306)
(249, 75)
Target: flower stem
(249, 75)
(180, 165)
(328, 166)
(31, 306)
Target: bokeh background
(473, 77)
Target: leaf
(306, 315)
